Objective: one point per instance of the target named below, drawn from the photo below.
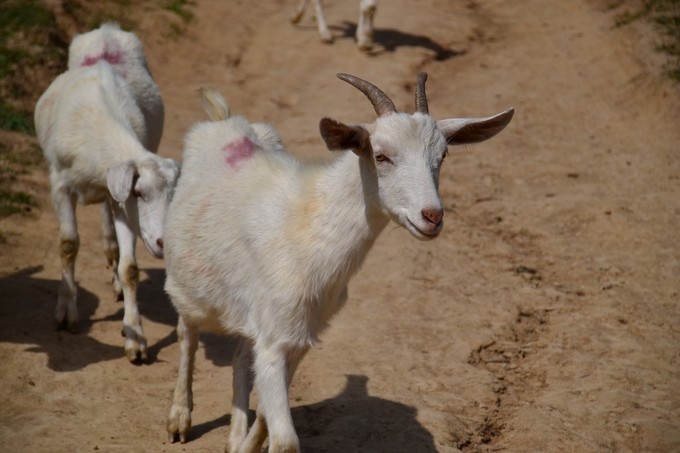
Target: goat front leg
(364, 34)
(111, 250)
(66, 312)
(179, 419)
(128, 272)
(258, 432)
(241, 388)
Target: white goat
(364, 33)
(97, 124)
(263, 246)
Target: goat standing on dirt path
(99, 124)
(263, 246)
(364, 33)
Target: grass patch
(12, 119)
(29, 45)
(19, 15)
(665, 14)
(90, 15)
(13, 202)
(181, 8)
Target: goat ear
(120, 178)
(458, 131)
(339, 136)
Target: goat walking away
(263, 246)
(364, 33)
(99, 124)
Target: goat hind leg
(179, 418)
(299, 11)
(364, 34)
(324, 32)
(66, 312)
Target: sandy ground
(545, 317)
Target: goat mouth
(425, 234)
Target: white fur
(364, 32)
(92, 124)
(110, 39)
(265, 249)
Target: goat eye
(382, 158)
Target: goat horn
(382, 104)
(421, 97)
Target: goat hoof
(72, 327)
(69, 326)
(327, 38)
(136, 357)
(179, 423)
(366, 47)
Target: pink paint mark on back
(238, 152)
(113, 58)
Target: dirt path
(545, 318)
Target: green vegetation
(89, 15)
(19, 15)
(16, 161)
(181, 8)
(13, 202)
(12, 119)
(666, 15)
(27, 42)
(33, 51)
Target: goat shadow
(352, 421)
(389, 40)
(26, 317)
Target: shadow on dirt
(351, 421)
(26, 317)
(346, 422)
(355, 421)
(389, 40)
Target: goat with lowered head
(99, 124)
(364, 32)
(263, 246)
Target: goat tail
(214, 104)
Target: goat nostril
(159, 241)
(433, 215)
